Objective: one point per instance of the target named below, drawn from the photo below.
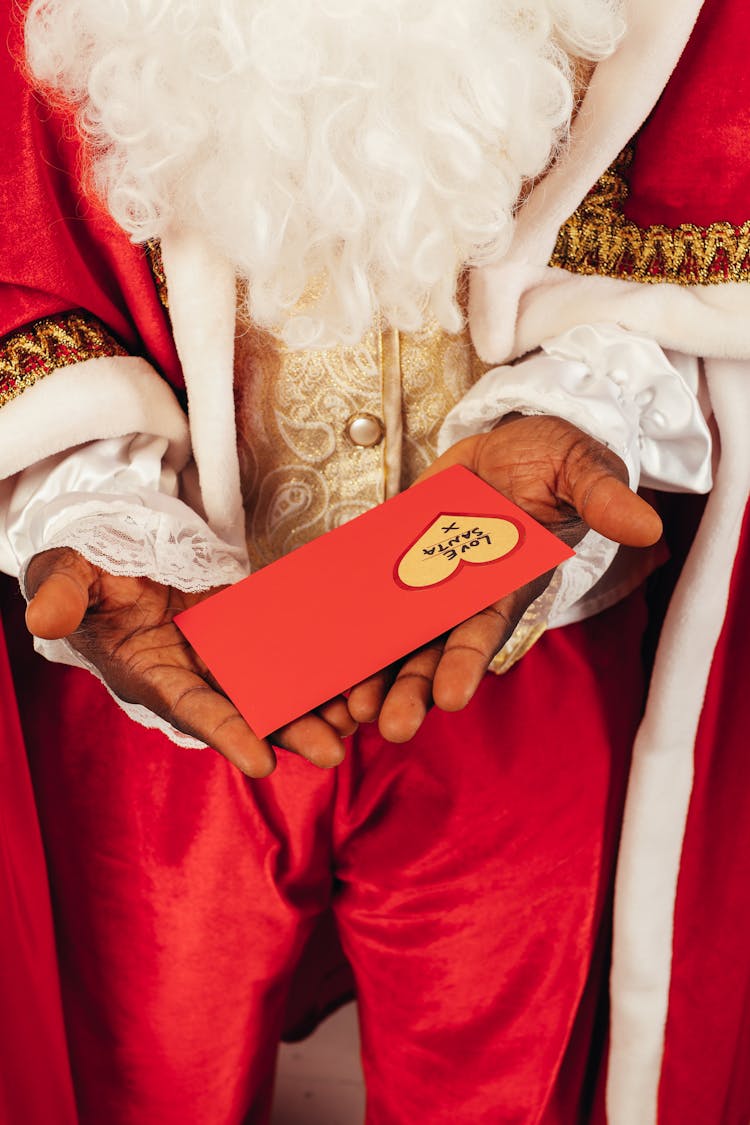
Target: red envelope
(324, 617)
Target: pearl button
(365, 430)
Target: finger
(337, 715)
(366, 698)
(469, 650)
(189, 704)
(314, 739)
(60, 583)
(410, 696)
(610, 507)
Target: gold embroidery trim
(515, 650)
(599, 240)
(389, 355)
(36, 350)
(529, 630)
(156, 265)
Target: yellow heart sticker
(449, 542)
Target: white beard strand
(362, 151)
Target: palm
(533, 480)
(568, 482)
(130, 635)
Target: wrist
(513, 416)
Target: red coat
(61, 252)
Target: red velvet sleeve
(59, 249)
(675, 207)
(692, 158)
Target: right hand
(124, 627)
(560, 476)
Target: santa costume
(166, 919)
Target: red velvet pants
(469, 873)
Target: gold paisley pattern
(301, 474)
(43, 347)
(156, 265)
(599, 240)
(436, 372)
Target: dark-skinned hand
(567, 481)
(124, 627)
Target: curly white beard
(362, 151)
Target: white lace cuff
(147, 535)
(115, 503)
(622, 390)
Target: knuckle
(497, 613)
(406, 676)
(472, 649)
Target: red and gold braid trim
(599, 239)
(31, 353)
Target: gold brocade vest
(324, 435)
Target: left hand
(124, 626)
(561, 477)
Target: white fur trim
(113, 395)
(656, 36)
(705, 320)
(662, 772)
(202, 306)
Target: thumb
(60, 582)
(610, 507)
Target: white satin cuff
(622, 390)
